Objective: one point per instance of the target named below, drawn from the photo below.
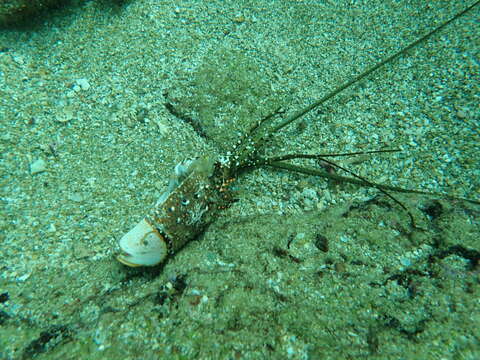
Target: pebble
(18, 59)
(163, 128)
(65, 116)
(300, 236)
(461, 115)
(406, 262)
(81, 84)
(75, 197)
(38, 166)
(239, 19)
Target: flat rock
(38, 166)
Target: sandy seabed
(298, 267)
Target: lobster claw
(143, 245)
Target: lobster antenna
(320, 173)
(366, 72)
(248, 145)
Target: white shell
(142, 246)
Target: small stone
(24, 277)
(83, 84)
(163, 128)
(309, 193)
(239, 19)
(18, 59)
(38, 166)
(299, 236)
(461, 114)
(64, 117)
(406, 262)
(321, 242)
(76, 197)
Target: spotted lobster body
(196, 192)
(199, 188)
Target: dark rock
(12, 11)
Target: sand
(299, 267)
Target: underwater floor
(100, 100)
